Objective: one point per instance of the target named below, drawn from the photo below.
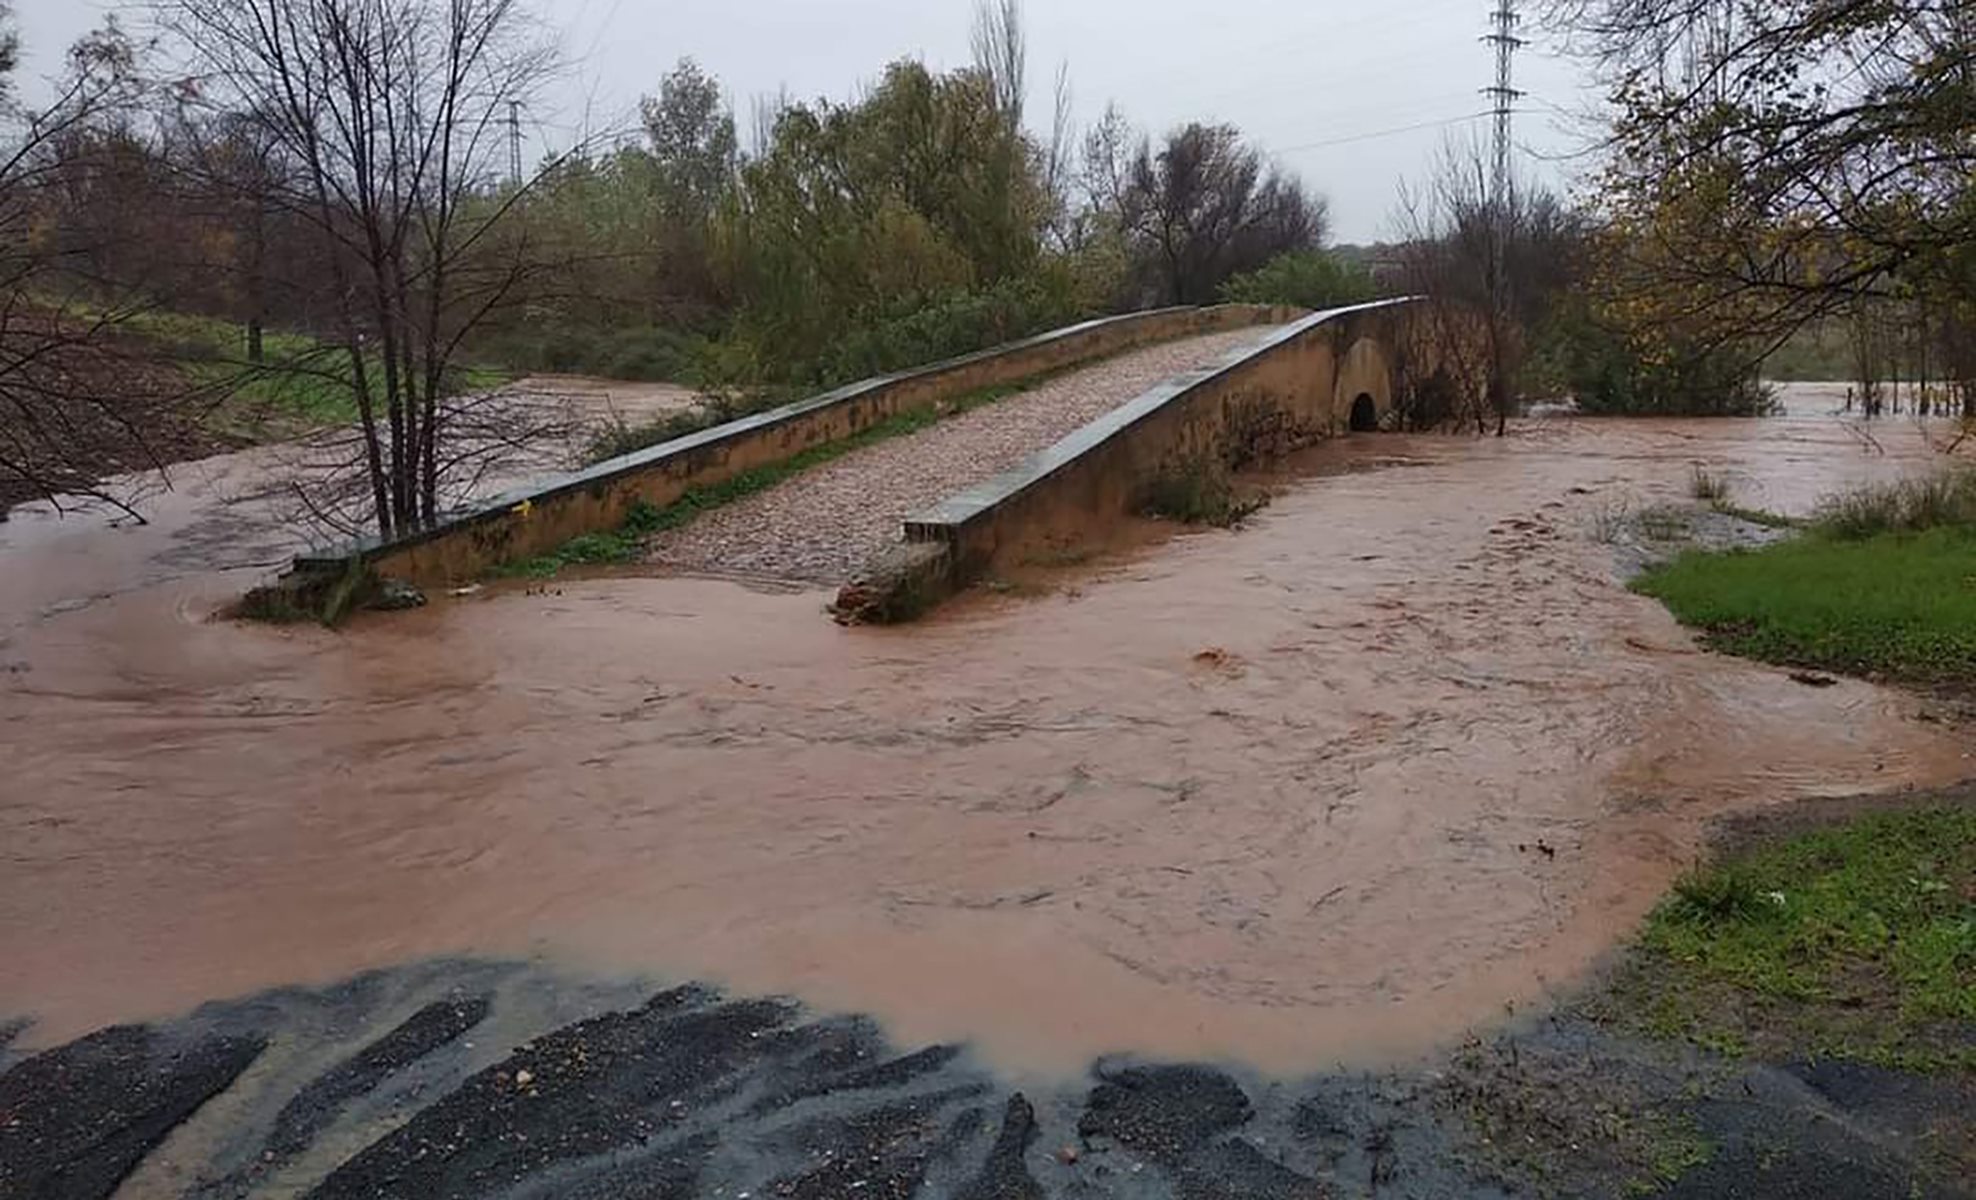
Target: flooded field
(1401, 754)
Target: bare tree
(1108, 150)
(1001, 54)
(234, 169)
(1206, 208)
(393, 114)
(1061, 222)
(764, 110)
(77, 401)
(1489, 273)
(10, 52)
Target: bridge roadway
(822, 525)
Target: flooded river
(1398, 756)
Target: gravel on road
(825, 524)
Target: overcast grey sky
(1353, 95)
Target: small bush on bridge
(1199, 491)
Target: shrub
(647, 353)
(911, 331)
(1721, 894)
(1904, 506)
(1613, 374)
(1309, 279)
(621, 437)
(1704, 484)
(1198, 491)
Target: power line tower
(1503, 24)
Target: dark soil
(318, 1104)
(89, 406)
(74, 1121)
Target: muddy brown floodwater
(1336, 787)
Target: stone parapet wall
(533, 521)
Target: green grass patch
(608, 548)
(625, 543)
(1673, 1146)
(1900, 606)
(1857, 940)
(301, 384)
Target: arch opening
(1365, 414)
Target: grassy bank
(1854, 941)
(1882, 584)
(1900, 606)
(299, 385)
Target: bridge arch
(1362, 398)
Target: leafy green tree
(1310, 279)
(859, 215)
(1777, 164)
(689, 130)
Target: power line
(1379, 133)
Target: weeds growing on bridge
(620, 545)
(1199, 491)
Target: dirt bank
(1397, 755)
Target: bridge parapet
(1323, 375)
(535, 520)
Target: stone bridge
(1239, 399)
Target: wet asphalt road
(477, 1079)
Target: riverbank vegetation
(1855, 939)
(1786, 171)
(1882, 583)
